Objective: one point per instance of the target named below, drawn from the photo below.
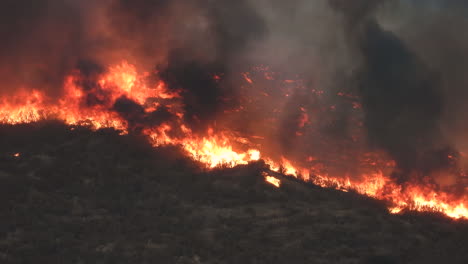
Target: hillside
(77, 196)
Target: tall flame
(214, 148)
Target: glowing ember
(16, 155)
(95, 108)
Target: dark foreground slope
(96, 197)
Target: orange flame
(273, 181)
(216, 148)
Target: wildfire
(94, 107)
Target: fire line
(122, 83)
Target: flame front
(215, 147)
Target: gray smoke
(385, 76)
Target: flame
(273, 181)
(93, 107)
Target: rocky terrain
(70, 195)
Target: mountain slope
(77, 196)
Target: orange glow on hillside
(215, 147)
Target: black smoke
(233, 27)
(402, 96)
(40, 42)
(189, 41)
(408, 76)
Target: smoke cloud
(405, 92)
(384, 76)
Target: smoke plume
(336, 78)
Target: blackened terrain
(76, 196)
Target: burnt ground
(96, 197)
